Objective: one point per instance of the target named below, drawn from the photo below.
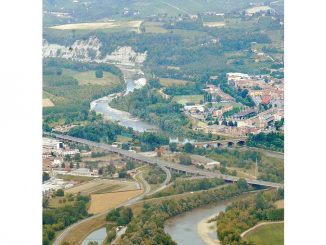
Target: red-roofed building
(266, 100)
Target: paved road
(162, 163)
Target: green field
(272, 234)
(184, 99)
(88, 77)
(154, 27)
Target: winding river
(184, 228)
(134, 79)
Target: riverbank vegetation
(187, 185)
(148, 226)
(244, 214)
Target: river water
(96, 236)
(183, 228)
(134, 79)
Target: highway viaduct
(161, 163)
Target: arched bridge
(156, 161)
(230, 143)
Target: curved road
(60, 238)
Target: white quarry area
(89, 51)
(140, 83)
(126, 56)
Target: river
(184, 228)
(96, 236)
(134, 79)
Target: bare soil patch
(103, 202)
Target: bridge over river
(161, 163)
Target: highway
(162, 163)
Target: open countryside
(161, 115)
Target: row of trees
(184, 185)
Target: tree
(185, 159)
(242, 184)
(59, 193)
(123, 174)
(63, 165)
(173, 147)
(100, 171)
(125, 146)
(188, 147)
(71, 165)
(77, 157)
(98, 73)
(67, 158)
(45, 176)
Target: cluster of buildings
(266, 92)
(54, 184)
(263, 90)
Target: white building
(212, 165)
(70, 152)
(83, 172)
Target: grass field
(271, 234)
(154, 27)
(102, 186)
(123, 139)
(132, 25)
(88, 77)
(103, 202)
(57, 202)
(184, 99)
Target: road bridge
(161, 163)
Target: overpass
(161, 163)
